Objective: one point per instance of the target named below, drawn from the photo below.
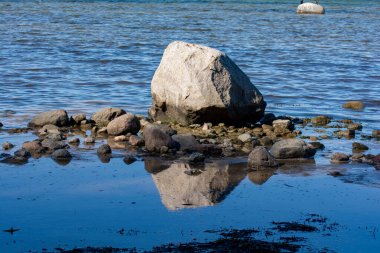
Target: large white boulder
(196, 84)
(310, 8)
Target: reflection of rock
(260, 177)
(179, 189)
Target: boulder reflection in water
(210, 185)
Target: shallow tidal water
(85, 55)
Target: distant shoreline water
(84, 55)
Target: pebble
(89, 140)
(7, 145)
(74, 141)
(357, 146)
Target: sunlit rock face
(197, 187)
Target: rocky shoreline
(268, 143)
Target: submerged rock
(197, 84)
(129, 159)
(105, 115)
(261, 159)
(354, 105)
(126, 123)
(56, 117)
(7, 145)
(321, 120)
(357, 146)
(310, 8)
(376, 133)
(292, 148)
(340, 158)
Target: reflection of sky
(87, 202)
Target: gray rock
(196, 158)
(61, 154)
(261, 159)
(197, 84)
(135, 140)
(53, 144)
(126, 123)
(310, 8)
(104, 149)
(187, 142)
(245, 137)
(292, 149)
(56, 117)
(7, 145)
(156, 136)
(340, 158)
(77, 119)
(49, 129)
(22, 153)
(105, 115)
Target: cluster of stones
(193, 84)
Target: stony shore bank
(270, 142)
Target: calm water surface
(84, 55)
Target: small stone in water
(339, 158)
(354, 105)
(104, 149)
(359, 146)
(376, 133)
(74, 141)
(7, 145)
(89, 140)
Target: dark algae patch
(243, 240)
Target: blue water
(85, 55)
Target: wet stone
(354, 105)
(7, 145)
(196, 158)
(340, 158)
(129, 159)
(135, 140)
(354, 126)
(61, 154)
(89, 140)
(376, 133)
(345, 133)
(76, 119)
(120, 138)
(321, 120)
(74, 141)
(317, 145)
(104, 149)
(261, 159)
(357, 146)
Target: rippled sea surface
(84, 55)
